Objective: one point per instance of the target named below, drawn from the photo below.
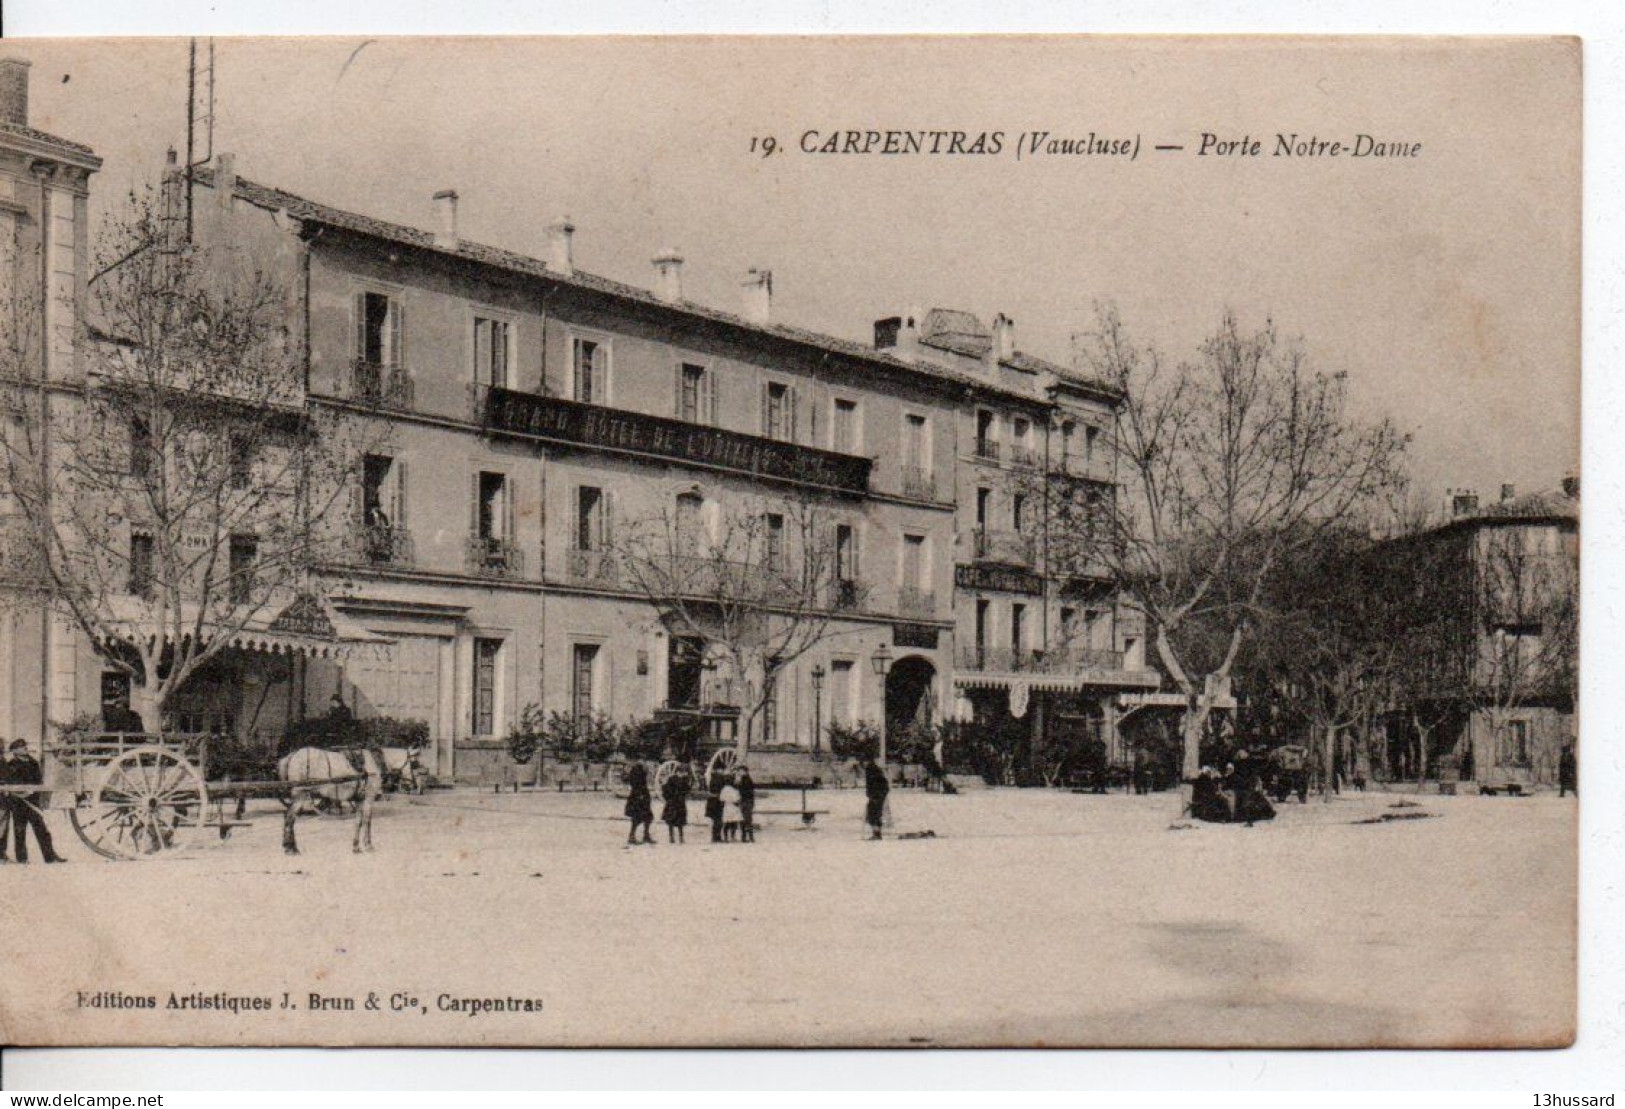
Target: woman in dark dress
(713, 805)
(875, 787)
(675, 811)
(640, 808)
(1208, 801)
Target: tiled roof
(300, 208)
(1544, 505)
(45, 136)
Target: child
(675, 811)
(747, 805)
(729, 796)
(640, 808)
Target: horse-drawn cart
(132, 795)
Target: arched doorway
(910, 693)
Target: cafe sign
(304, 616)
(1004, 579)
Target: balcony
(380, 386)
(987, 449)
(1023, 455)
(920, 604)
(555, 420)
(1009, 547)
(1084, 467)
(919, 483)
(379, 545)
(848, 596)
(1055, 661)
(592, 568)
(490, 557)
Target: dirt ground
(1029, 918)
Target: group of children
(730, 805)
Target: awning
(1089, 680)
(305, 625)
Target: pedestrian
(1568, 776)
(24, 770)
(640, 808)
(875, 788)
(675, 810)
(713, 805)
(8, 805)
(747, 804)
(729, 796)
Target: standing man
(1568, 777)
(875, 787)
(24, 769)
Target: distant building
(1488, 685)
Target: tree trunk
(1329, 764)
(1191, 763)
(147, 703)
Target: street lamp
(818, 705)
(882, 663)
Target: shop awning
(305, 625)
(1060, 683)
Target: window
(487, 652)
(986, 445)
(1069, 624)
(982, 608)
(589, 532)
(241, 461)
(1018, 512)
(1090, 436)
(1515, 744)
(240, 588)
(770, 700)
(383, 508)
(591, 361)
(774, 542)
(690, 523)
(493, 351)
(779, 411)
(378, 329)
(141, 565)
(914, 562)
(1018, 627)
(1019, 431)
(685, 670)
(583, 687)
(984, 499)
(143, 447)
(844, 427)
(492, 506)
(914, 452)
(846, 553)
(841, 688)
(696, 399)
(1069, 435)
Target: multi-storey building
(521, 415)
(44, 183)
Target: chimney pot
(445, 204)
(669, 276)
(14, 91)
(1509, 492)
(561, 245)
(758, 287)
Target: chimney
(1004, 338)
(899, 334)
(14, 91)
(225, 179)
(669, 276)
(445, 210)
(1463, 502)
(1509, 493)
(561, 245)
(758, 286)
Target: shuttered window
(779, 411)
(591, 360)
(493, 351)
(582, 692)
(487, 652)
(696, 394)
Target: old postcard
(789, 541)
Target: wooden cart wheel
(722, 762)
(149, 800)
(664, 774)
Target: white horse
(317, 764)
(403, 770)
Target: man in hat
(875, 788)
(24, 770)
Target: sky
(1445, 285)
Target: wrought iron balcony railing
(848, 595)
(988, 449)
(380, 545)
(1038, 660)
(1011, 547)
(592, 568)
(382, 385)
(490, 557)
(1022, 455)
(919, 483)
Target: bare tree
(1227, 465)
(757, 584)
(176, 492)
